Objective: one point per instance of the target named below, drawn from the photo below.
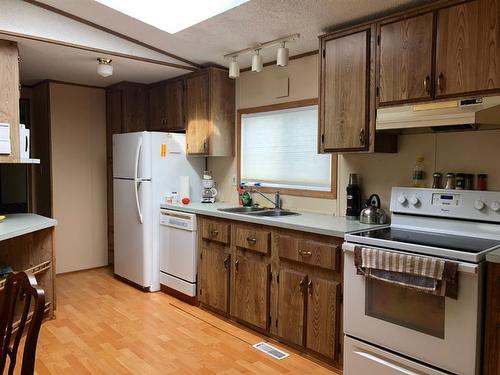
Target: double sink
(259, 211)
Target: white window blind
(279, 149)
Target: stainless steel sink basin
(241, 210)
(274, 213)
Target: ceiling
(253, 22)
(40, 61)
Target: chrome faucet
(277, 198)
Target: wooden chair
(20, 293)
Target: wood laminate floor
(104, 326)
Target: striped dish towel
(426, 274)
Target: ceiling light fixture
(257, 63)
(104, 68)
(282, 57)
(234, 68)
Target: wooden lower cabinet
(291, 306)
(323, 317)
(264, 284)
(213, 278)
(492, 324)
(251, 292)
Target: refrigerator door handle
(136, 188)
(136, 180)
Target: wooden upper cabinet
(405, 60)
(166, 107)
(210, 113)
(344, 98)
(127, 107)
(9, 96)
(468, 48)
(197, 115)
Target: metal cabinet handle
(427, 87)
(237, 265)
(302, 284)
(214, 233)
(251, 240)
(310, 287)
(440, 82)
(305, 253)
(362, 136)
(226, 262)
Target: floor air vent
(271, 350)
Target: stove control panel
(453, 204)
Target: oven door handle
(462, 267)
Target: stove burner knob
(478, 204)
(495, 206)
(414, 201)
(402, 199)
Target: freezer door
(132, 155)
(133, 245)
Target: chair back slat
(21, 292)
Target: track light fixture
(234, 68)
(282, 56)
(104, 68)
(257, 63)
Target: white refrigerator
(146, 165)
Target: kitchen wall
(78, 142)
(469, 152)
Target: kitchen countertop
(307, 222)
(16, 225)
(493, 256)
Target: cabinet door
(323, 317)
(406, 59)
(345, 92)
(175, 106)
(197, 115)
(213, 278)
(157, 108)
(134, 100)
(291, 306)
(468, 48)
(492, 326)
(251, 292)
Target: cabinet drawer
(315, 253)
(216, 231)
(253, 239)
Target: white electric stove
(394, 330)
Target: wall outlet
(233, 180)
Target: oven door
(438, 331)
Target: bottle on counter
(418, 173)
(437, 180)
(482, 182)
(353, 198)
(450, 181)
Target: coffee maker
(209, 192)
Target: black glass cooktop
(440, 240)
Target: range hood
(455, 115)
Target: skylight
(171, 15)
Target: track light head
(234, 68)
(283, 56)
(257, 64)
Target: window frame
(332, 194)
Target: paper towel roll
(184, 187)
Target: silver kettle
(372, 213)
